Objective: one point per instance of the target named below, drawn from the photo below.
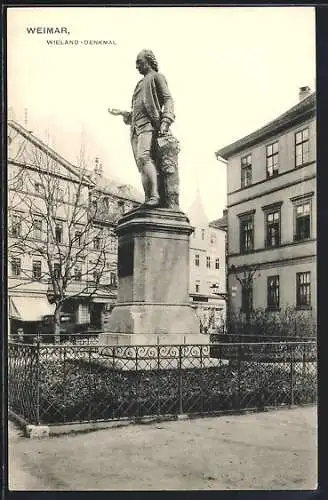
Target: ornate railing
(83, 383)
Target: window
(36, 269)
(106, 203)
(303, 289)
(197, 260)
(208, 262)
(77, 238)
(213, 239)
(272, 159)
(78, 272)
(246, 233)
(301, 147)
(217, 263)
(59, 232)
(113, 279)
(302, 211)
(96, 276)
(19, 184)
(37, 228)
(246, 171)
(121, 207)
(272, 220)
(16, 266)
(197, 287)
(113, 244)
(194, 233)
(273, 292)
(247, 297)
(203, 234)
(96, 243)
(57, 270)
(16, 226)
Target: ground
(269, 450)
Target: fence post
(137, 384)
(158, 375)
(64, 380)
(180, 381)
(239, 373)
(304, 361)
(291, 375)
(201, 379)
(114, 358)
(38, 382)
(90, 385)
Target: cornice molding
(271, 206)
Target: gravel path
(272, 450)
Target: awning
(29, 308)
(103, 297)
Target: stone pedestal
(153, 269)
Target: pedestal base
(152, 307)
(147, 339)
(150, 318)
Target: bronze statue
(155, 149)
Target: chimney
(98, 170)
(303, 93)
(26, 120)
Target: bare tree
(57, 216)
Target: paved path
(273, 450)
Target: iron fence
(54, 384)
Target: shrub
(87, 393)
(286, 323)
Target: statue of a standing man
(151, 116)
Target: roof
(301, 111)
(44, 147)
(196, 212)
(221, 223)
(118, 189)
(106, 185)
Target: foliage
(287, 322)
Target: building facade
(271, 183)
(207, 281)
(61, 239)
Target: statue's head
(146, 60)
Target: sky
(229, 70)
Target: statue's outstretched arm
(118, 112)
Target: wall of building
(287, 278)
(285, 191)
(290, 257)
(207, 242)
(286, 159)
